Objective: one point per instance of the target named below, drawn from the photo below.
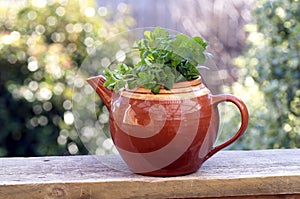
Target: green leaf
(123, 68)
(132, 84)
(155, 89)
(145, 79)
(147, 34)
(169, 82)
(150, 84)
(200, 41)
(119, 85)
(160, 33)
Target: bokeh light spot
(67, 104)
(108, 144)
(60, 11)
(89, 12)
(44, 94)
(72, 148)
(68, 118)
(33, 66)
(51, 21)
(32, 15)
(120, 56)
(47, 106)
(33, 85)
(39, 3)
(40, 29)
(102, 11)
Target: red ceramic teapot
(170, 133)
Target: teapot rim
(184, 90)
(178, 87)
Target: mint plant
(164, 60)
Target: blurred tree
(42, 46)
(271, 76)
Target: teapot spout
(104, 93)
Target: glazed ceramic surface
(168, 134)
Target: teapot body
(166, 134)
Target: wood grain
(229, 174)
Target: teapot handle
(216, 99)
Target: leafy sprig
(164, 60)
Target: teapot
(170, 133)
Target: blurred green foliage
(42, 45)
(270, 85)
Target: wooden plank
(239, 174)
(285, 196)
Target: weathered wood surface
(238, 174)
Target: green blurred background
(256, 45)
